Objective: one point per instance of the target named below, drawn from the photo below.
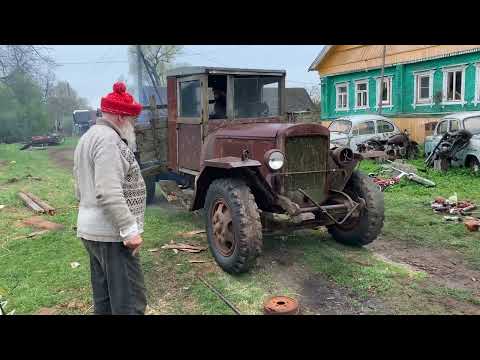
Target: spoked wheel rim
(222, 228)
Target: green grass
(36, 273)
(408, 215)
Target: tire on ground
(150, 185)
(368, 226)
(246, 225)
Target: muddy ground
(62, 157)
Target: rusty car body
(251, 170)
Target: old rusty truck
(226, 137)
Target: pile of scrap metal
(42, 141)
(398, 146)
(456, 210)
(397, 171)
(449, 145)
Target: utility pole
(380, 93)
(139, 72)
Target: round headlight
(275, 160)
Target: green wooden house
(421, 82)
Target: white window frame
(342, 84)
(359, 82)
(389, 80)
(416, 84)
(476, 98)
(445, 71)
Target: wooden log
(30, 203)
(49, 209)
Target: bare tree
(158, 58)
(28, 59)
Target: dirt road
(62, 157)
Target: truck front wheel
(233, 224)
(363, 229)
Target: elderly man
(112, 195)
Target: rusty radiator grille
(306, 154)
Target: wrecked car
(228, 138)
(461, 127)
(351, 131)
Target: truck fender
(229, 167)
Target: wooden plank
(30, 203)
(49, 209)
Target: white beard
(128, 132)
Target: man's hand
(134, 243)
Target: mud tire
(246, 225)
(370, 223)
(150, 187)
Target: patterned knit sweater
(109, 186)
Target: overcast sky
(92, 69)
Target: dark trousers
(117, 279)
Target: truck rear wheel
(150, 185)
(233, 224)
(365, 228)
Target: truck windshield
(341, 126)
(472, 124)
(256, 97)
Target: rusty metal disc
(281, 305)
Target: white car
(352, 130)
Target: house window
(342, 96)
(361, 94)
(386, 92)
(423, 88)
(453, 85)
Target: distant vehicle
(82, 120)
(469, 156)
(45, 140)
(351, 131)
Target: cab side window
(190, 99)
(384, 126)
(442, 127)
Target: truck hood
(268, 130)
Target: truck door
(190, 119)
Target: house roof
(320, 57)
(195, 70)
(341, 59)
(297, 99)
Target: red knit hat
(120, 102)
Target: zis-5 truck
(226, 137)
